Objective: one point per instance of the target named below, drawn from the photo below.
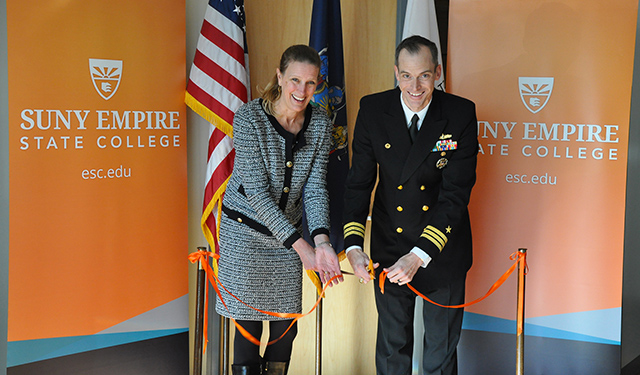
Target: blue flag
(326, 38)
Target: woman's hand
(327, 262)
(322, 259)
(306, 253)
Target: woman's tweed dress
(262, 210)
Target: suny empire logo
(535, 92)
(105, 75)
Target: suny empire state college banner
(98, 189)
(552, 85)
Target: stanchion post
(223, 361)
(319, 339)
(522, 255)
(198, 335)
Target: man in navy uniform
(421, 146)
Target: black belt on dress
(241, 218)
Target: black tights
(247, 353)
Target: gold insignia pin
(445, 136)
(441, 163)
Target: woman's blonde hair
(298, 53)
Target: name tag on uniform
(445, 145)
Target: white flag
(420, 19)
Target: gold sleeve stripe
(436, 236)
(354, 228)
(353, 233)
(437, 232)
(436, 241)
(354, 224)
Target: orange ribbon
(203, 257)
(517, 256)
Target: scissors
(370, 269)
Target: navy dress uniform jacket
(423, 188)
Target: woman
(282, 146)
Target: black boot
(275, 368)
(245, 370)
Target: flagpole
(198, 334)
(318, 338)
(223, 359)
(520, 314)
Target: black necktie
(413, 129)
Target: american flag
(218, 85)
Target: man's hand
(404, 269)
(359, 262)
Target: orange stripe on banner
(517, 256)
(203, 257)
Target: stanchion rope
(517, 256)
(213, 279)
(203, 257)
